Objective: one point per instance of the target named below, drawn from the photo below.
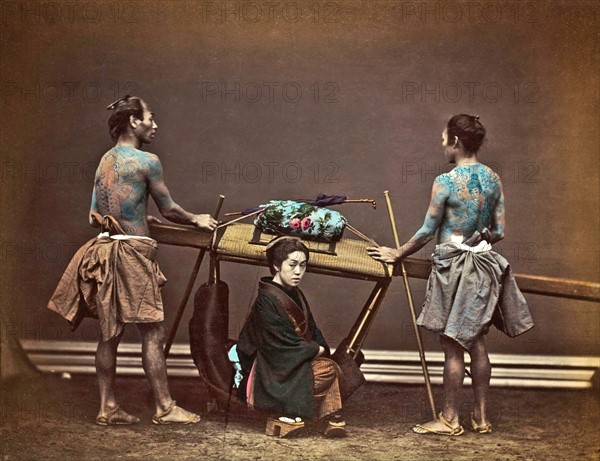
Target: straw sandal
(452, 430)
(116, 417)
(189, 417)
(480, 428)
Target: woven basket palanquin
(239, 241)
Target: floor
(50, 418)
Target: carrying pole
(363, 325)
(190, 285)
(412, 309)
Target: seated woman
(283, 353)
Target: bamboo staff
(412, 308)
(348, 200)
(361, 235)
(190, 285)
(361, 200)
(227, 223)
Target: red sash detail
(298, 315)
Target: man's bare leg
(106, 369)
(155, 367)
(481, 371)
(454, 374)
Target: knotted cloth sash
(116, 280)
(470, 288)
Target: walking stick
(190, 285)
(412, 308)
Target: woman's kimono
(278, 348)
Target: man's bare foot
(440, 426)
(116, 417)
(176, 415)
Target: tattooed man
(470, 286)
(115, 276)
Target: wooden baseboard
(401, 367)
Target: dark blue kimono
(280, 334)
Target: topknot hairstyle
(122, 109)
(468, 129)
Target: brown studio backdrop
(363, 123)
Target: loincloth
(469, 289)
(115, 279)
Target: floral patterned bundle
(288, 217)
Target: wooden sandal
(278, 428)
(335, 429)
